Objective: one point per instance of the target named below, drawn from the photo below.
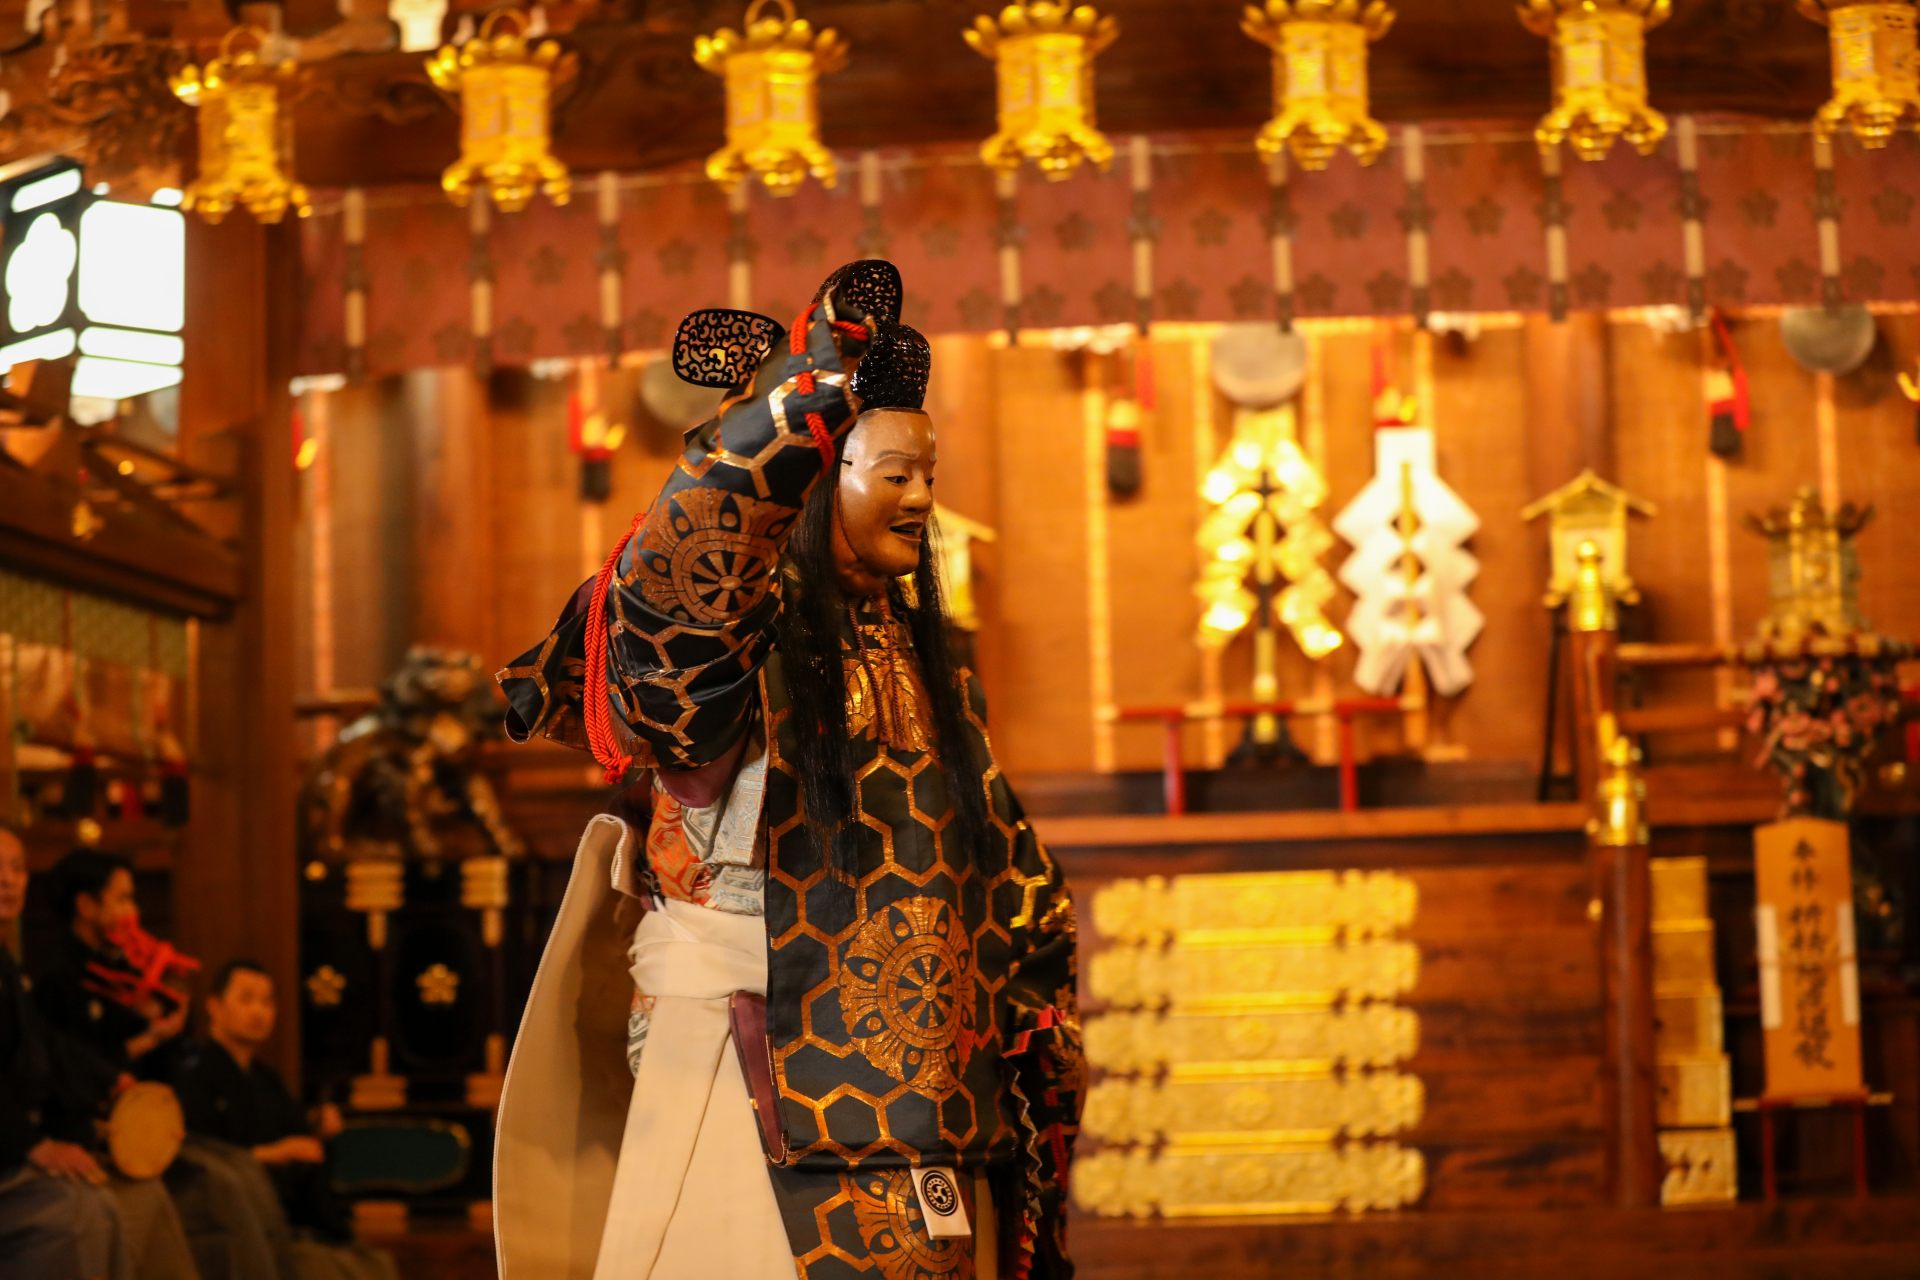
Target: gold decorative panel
(1701, 1167)
(1247, 1061)
(1309, 905)
(1227, 974)
(1695, 1093)
(1683, 954)
(1244, 1109)
(1184, 1183)
(1688, 1024)
(1366, 1035)
(1680, 890)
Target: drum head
(1257, 366)
(145, 1131)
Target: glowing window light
(37, 275)
(46, 190)
(128, 344)
(120, 379)
(133, 265)
(57, 345)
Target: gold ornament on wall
(505, 85)
(1599, 73)
(772, 69)
(1813, 570)
(1876, 68)
(1043, 63)
(1320, 76)
(246, 132)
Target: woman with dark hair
(850, 1016)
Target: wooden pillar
(1622, 891)
(1631, 1087)
(236, 884)
(1569, 400)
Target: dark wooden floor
(1804, 1239)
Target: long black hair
(811, 648)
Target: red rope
(803, 381)
(597, 710)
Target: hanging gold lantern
(505, 87)
(1876, 68)
(246, 138)
(1599, 73)
(773, 73)
(1043, 60)
(1320, 76)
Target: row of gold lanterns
(1043, 55)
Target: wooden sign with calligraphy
(1809, 982)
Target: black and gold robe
(924, 1015)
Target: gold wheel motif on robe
(907, 995)
(895, 1232)
(709, 556)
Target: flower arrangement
(1818, 721)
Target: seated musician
(80, 980)
(231, 1096)
(62, 1216)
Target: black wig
(892, 375)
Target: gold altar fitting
(1592, 605)
(1599, 73)
(1588, 509)
(505, 86)
(1320, 100)
(1043, 56)
(246, 132)
(772, 69)
(1813, 573)
(377, 887)
(1876, 68)
(1620, 819)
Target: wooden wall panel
(1879, 448)
(1480, 428)
(439, 487)
(1152, 565)
(1043, 708)
(1660, 434)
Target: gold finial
(1620, 818)
(1591, 603)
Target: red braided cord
(596, 709)
(803, 381)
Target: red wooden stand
(1856, 1102)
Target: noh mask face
(883, 500)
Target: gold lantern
(1320, 76)
(1813, 571)
(772, 70)
(1599, 73)
(1043, 61)
(1876, 68)
(246, 138)
(505, 86)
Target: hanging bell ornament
(1876, 68)
(505, 87)
(1599, 73)
(1043, 63)
(1320, 77)
(772, 70)
(246, 132)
